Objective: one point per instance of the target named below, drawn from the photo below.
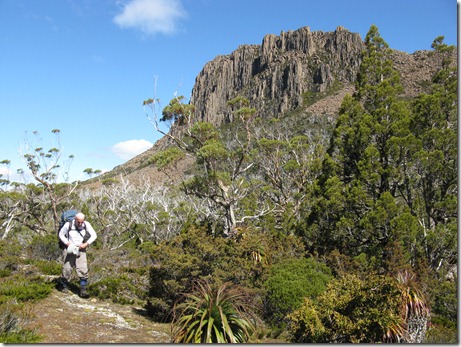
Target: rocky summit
(275, 75)
(300, 69)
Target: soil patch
(67, 318)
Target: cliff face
(278, 75)
(275, 75)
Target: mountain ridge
(301, 69)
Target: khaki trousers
(72, 261)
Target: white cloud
(151, 16)
(131, 148)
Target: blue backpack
(66, 216)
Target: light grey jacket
(74, 236)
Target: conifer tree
(434, 125)
(357, 210)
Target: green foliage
(45, 248)
(176, 110)
(444, 301)
(435, 124)
(12, 318)
(367, 309)
(194, 254)
(211, 315)
(178, 262)
(47, 267)
(201, 132)
(123, 281)
(351, 310)
(118, 289)
(442, 331)
(9, 257)
(165, 158)
(24, 289)
(212, 150)
(389, 177)
(289, 282)
(238, 102)
(20, 337)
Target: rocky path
(67, 318)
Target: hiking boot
(63, 286)
(84, 293)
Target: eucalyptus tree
(224, 174)
(4, 174)
(124, 212)
(288, 163)
(35, 205)
(12, 206)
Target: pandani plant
(212, 315)
(414, 311)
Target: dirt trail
(67, 318)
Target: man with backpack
(76, 235)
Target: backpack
(67, 217)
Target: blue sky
(85, 66)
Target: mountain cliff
(301, 69)
(275, 75)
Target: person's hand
(83, 245)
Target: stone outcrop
(279, 75)
(275, 75)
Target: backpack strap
(70, 227)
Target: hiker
(76, 235)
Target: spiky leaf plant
(212, 315)
(414, 308)
(414, 311)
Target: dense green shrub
(118, 288)
(444, 299)
(9, 257)
(12, 318)
(158, 309)
(441, 331)
(178, 262)
(20, 336)
(120, 275)
(17, 290)
(48, 267)
(194, 254)
(351, 310)
(24, 289)
(45, 247)
(289, 282)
